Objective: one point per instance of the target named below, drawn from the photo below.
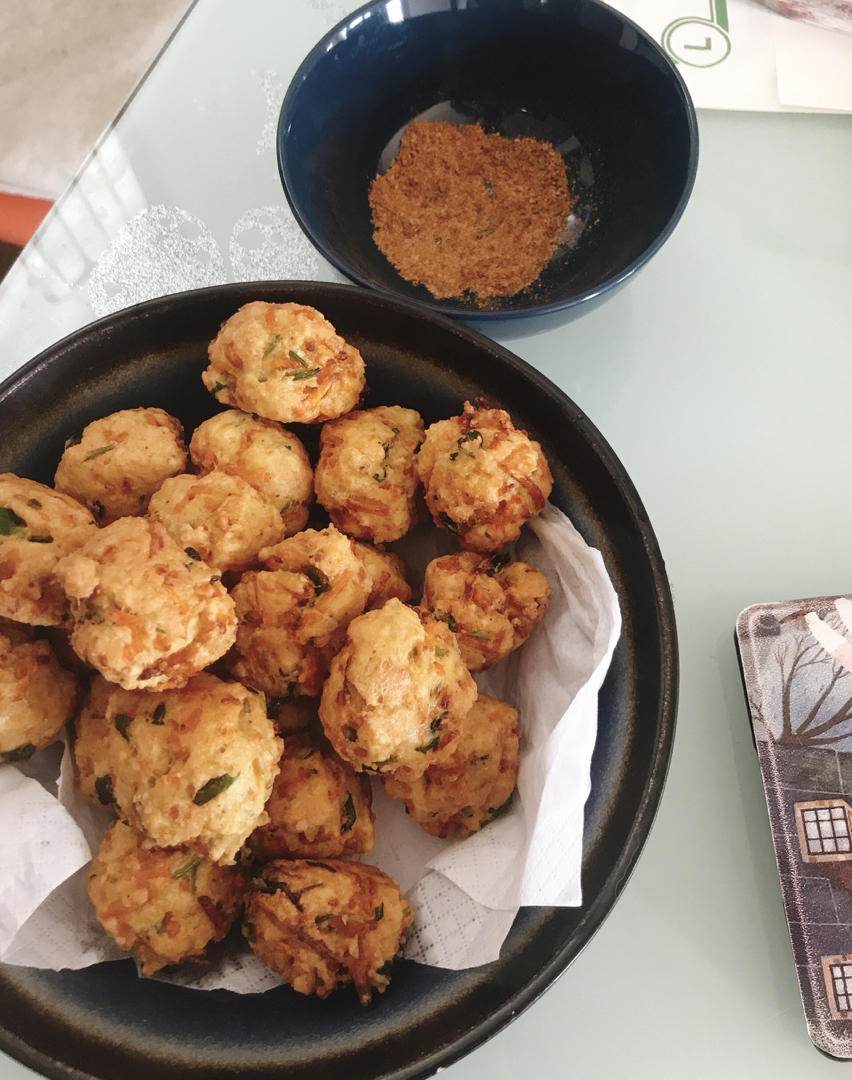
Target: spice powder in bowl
(467, 213)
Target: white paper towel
(465, 893)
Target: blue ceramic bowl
(573, 72)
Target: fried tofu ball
(388, 574)
(37, 695)
(491, 604)
(292, 619)
(190, 766)
(285, 362)
(146, 613)
(467, 790)
(220, 517)
(120, 460)
(168, 904)
(366, 476)
(319, 807)
(324, 926)
(483, 477)
(397, 691)
(38, 526)
(262, 452)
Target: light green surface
(721, 377)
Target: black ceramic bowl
(573, 72)
(104, 1021)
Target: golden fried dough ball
(120, 461)
(467, 790)
(285, 362)
(38, 526)
(273, 652)
(292, 619)
(190, 766)
(491, 604)
(483, 477)
(397, 691)
(146, 613)
(37, 695)
(319, 807)
(219, 516)
(366, 476)
(264, 454)
(329, 552)
(388, 574)
(326, 925)
(166, 903)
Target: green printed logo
(697, 41)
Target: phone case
(796, 659)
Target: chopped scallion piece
(349, 812)
(100, 450)
(122, 723)
(215, 786)
(189, 870)
(272, 346)
(10, 523)
(318, 578)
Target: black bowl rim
(634, 843)
(478, 314)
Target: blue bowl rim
(479, 314)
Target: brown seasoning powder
(464, 212)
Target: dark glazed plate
(575, 73)
(104, 1021)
